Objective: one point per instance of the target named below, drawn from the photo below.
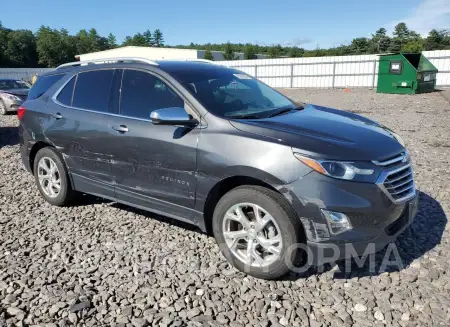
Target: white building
(154, 53)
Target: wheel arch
(35, 149)
(227, 184)
(221, 188)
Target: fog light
(337, 222)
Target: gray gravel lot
(100, 263)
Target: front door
(154, 166)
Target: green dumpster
(406, 73)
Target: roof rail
(202, 60)
(105, 60)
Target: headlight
(336, 169)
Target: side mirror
(172, 116)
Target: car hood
(16, 91)
(327, 133)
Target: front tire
(52, 178)
(257, 231)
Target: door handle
(57, 115)
(120, 129)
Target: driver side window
(141, 93)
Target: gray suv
(272, 179)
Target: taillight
(21, 112)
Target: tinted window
(6, 84)
(231, 93)
(42, 84)
(92, 90)
(65, 96)
(142, 93)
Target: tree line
(402, 40)
(51, 47)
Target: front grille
(400, 183)
(397, 180)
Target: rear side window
(42, 84)
(65, 96)
(92, 90)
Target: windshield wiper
(248, 116)
(284, 110)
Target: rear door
(81, 116)
(155, 166)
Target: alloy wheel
(252, 234)
(49, 177)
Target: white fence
(319, 72)
(329, 72)
(22, 73)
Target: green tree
(21, 49)
(296, 52)
(54, 47)
(360, 45)
(437, 40)
(84, 43)
(413, 46)
(395, 45)
(208, 55)
(158, 39)
(402, 36)
(401, 31)
(380, 41)
(128, 40)
(250, 52)
(318, 52)
(138, 40)
(342, 50)
(275, 51)
(228, 52)
(90, 41)
(3, 45)
(148, 38)
(111, 41)
(100, 42)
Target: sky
(307, 24)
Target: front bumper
(376, 220)
(323, 252)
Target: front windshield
(11, 84)
(232, 94)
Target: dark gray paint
(172, 169)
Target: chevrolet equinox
(215, 147)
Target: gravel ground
(100, 263)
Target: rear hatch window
(42, 84)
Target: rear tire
(52, 178)
(3, 108)
(266, 247)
